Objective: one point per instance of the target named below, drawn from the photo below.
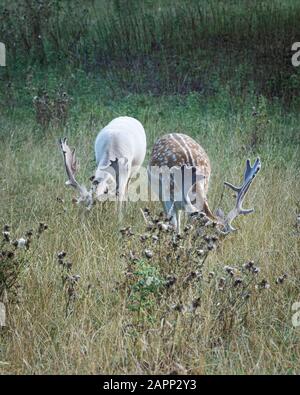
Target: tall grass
(219, 71)
(176, 45)
(103, 333)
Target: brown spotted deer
(182, 153)
(120, 149)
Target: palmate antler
(249, 175)
(71, 167)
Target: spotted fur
(179, 150)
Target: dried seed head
(42, 227)
(163, 226)
(246, 295)
(198, 216)
(248, 265)
(200, 252)
(73, 278)
(146, 211)
(132, 256)
(61, 255)
(148, 254)
(221, 284)
(190, 277)
(195, 303)
(150, 225)
(280, 280)
(255, 270)
(211, 275)
(144, 237)
(6, 236)
(10, 254)
(229, 270)
(21, 243)
(128, 274)
(179, 307)
(29, 233)
(126, 231)
(211, 246)
(238, 281)
(170, 280)
(188, 228)
(263, 285)
(175, 244)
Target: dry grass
(100, 332)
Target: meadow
(85, 298)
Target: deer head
(103, 181)
(249, 175)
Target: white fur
(123, 139)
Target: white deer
(120, 149)
(179, 151)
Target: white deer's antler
(71, 167)
(249, 175)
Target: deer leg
(178, 217)
(173, 214)
(122, 192)
(126, 193)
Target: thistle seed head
(148, 254)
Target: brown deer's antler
(71, 167)
(249, 175)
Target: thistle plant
(165, 266)
(15, 256)
(165, 277)
(51, 107)
(69, 282)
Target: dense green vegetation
(160, 46)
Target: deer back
(123, 137)
(176, 149)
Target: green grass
(218, 71)
(97, 337)
(160, 45)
